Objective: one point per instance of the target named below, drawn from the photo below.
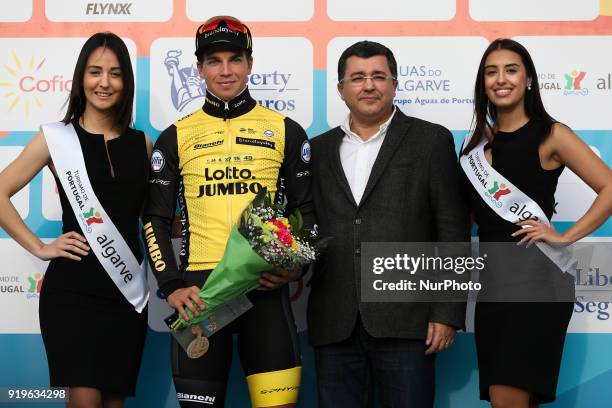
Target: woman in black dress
(519, 345)
(93, 336)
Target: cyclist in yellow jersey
(212, 163)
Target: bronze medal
(198, 346)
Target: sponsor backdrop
(438, 44)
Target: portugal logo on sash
(91, 217)
(106, 241)
(496, 191)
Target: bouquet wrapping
(261, 241)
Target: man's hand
(270, 281)
(186, 297)
(439, 337)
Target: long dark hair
(485, 113)
(122, 111)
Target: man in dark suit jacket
(380, 177)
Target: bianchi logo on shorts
(202, 399)
(157, 161)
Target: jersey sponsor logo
(230, 173)
(160, 181)
(269, 133)
(213, 103)
(250, 131)
(154, 251)
(157, 161)
(280, 389)
(232, 188)
(301, 174)
(305, 151)
(206, 145)
(186, 116)
(230, 159)
(255, 142)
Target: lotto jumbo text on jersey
(213, 162)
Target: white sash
(102, 236)
(509, 202)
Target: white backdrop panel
(575, 75)
(15, 11)
(530, 10)
(248, 10)
(282, 84)
(431, 84)
(109, 10)
(391, 10)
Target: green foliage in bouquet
(262, 241)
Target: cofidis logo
(23, 79)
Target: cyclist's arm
(164, 183)
(295, 171)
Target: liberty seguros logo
(186, 84)
(269, 88)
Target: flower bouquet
(261, 241)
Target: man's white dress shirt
(358, 156)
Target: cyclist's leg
(202, 381)
(269, 350)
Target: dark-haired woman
(93, 301)
(524, 150)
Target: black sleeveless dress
(520, 344)
(93, 336)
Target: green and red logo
(573, 83)
(496, 192)
(92, 217)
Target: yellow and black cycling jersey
(212, 163)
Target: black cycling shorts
(268, 350)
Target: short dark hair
(122, 111)
(485, 113)
(366, 49)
